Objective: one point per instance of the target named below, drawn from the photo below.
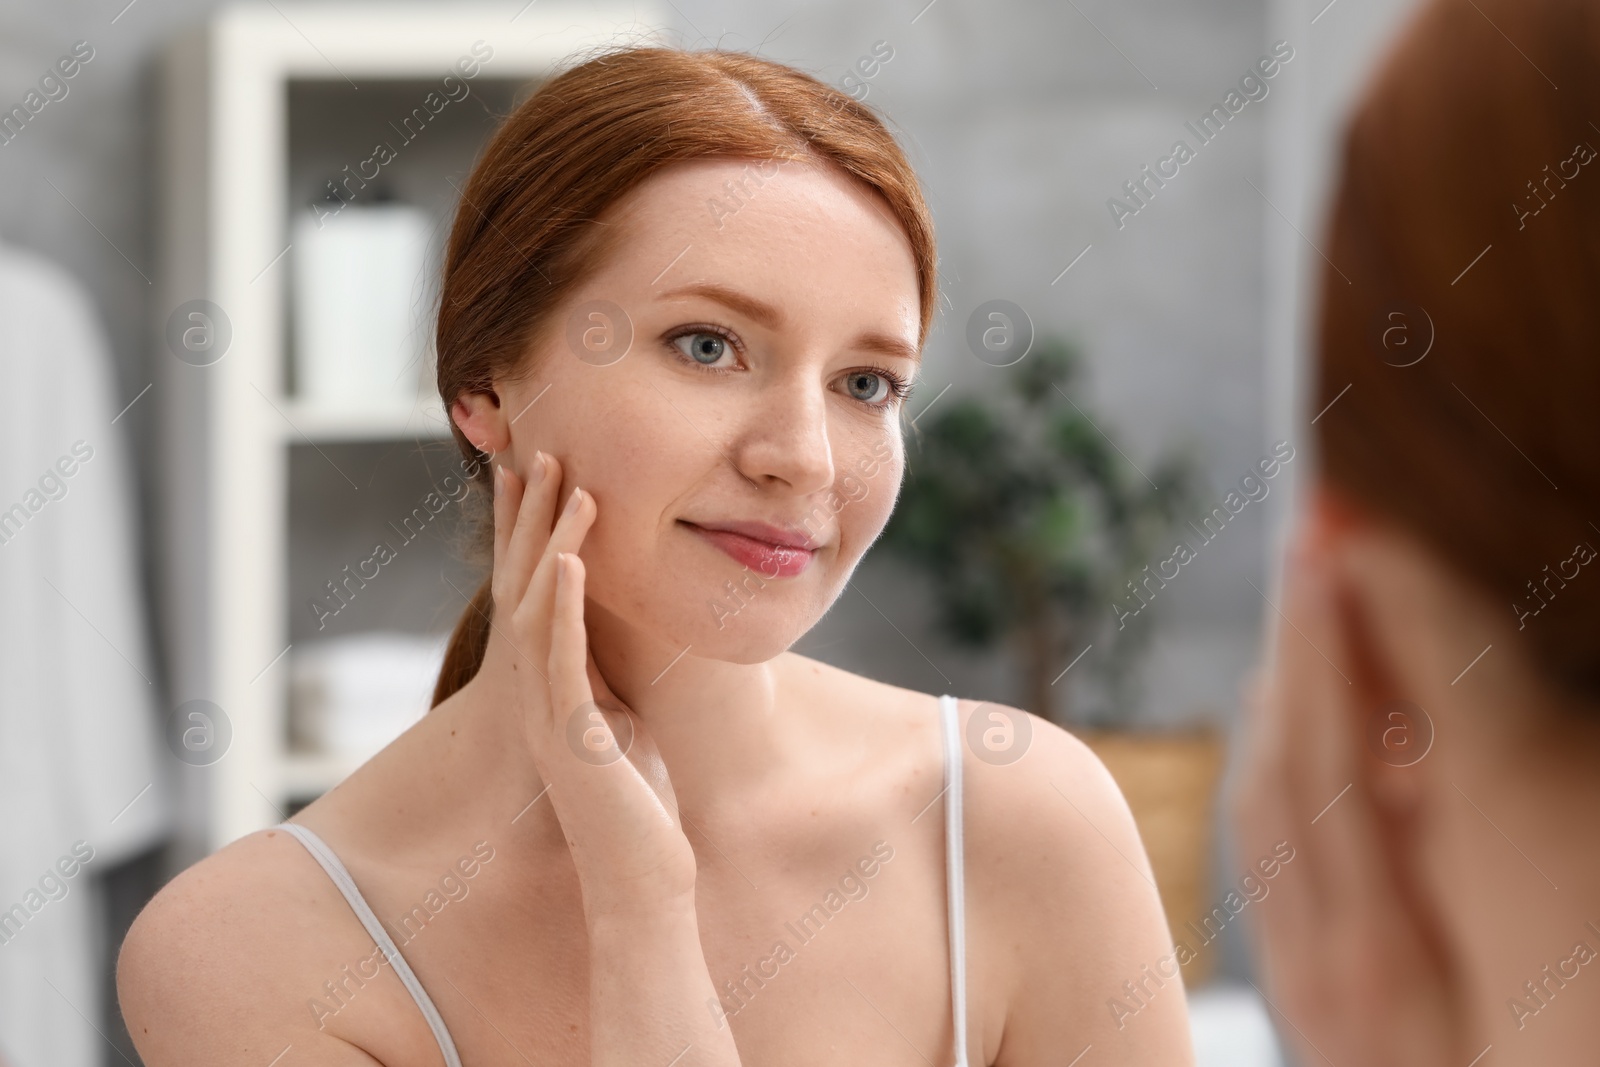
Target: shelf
(306, 775)
(255, 118)
(301, 423)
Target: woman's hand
(607, 782)
(1351, 964)
(650, 993)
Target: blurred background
(190, 507)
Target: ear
(482, 421)
(1394, 731)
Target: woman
(1428, 731)
(684, 297)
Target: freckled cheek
(867, 495)
(631, 454)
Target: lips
(770, 551)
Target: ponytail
(468, 641)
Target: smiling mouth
(767, 558)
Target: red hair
(1465, 193)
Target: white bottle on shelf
(360, 315)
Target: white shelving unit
(228, 427)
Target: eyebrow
(770, 317)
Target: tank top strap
(955, 863)
(341, 878)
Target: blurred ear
(483, 421)
(1394, 731)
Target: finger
(1265, 823)
(614, 812)
(1368, 913)
(1261, 796)
(597, 682)
(1262, 802)
(569, 643)
(1269, 803)
(1318, 712)
(528, 532)
(1258, 802)
(533, 614)
(1313, 699)
(570, 686)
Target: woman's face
(774, 313)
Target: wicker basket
(1170, 782)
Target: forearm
(650, 994)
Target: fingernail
(572, 501)
(561, 570)
(499, 479)
(539, 465)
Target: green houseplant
(1028, 521)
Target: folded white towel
(353, 694)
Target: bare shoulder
(222, 965)
(1028, 783)
(1061, 903)
(1033, 783)
(1067, 904)
(1017, 764)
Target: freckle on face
(655, 439)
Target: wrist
(636, 915)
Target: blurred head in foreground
(1427, 732)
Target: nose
(784, 438)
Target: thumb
(570, 689)
(597, 684)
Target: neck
(1525, 904)
(720, 727)
(1515, 865)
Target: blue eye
(707, 348)
(868, 387)
(877, 387)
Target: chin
(754, 629)
(743, 624)
(754, 641)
